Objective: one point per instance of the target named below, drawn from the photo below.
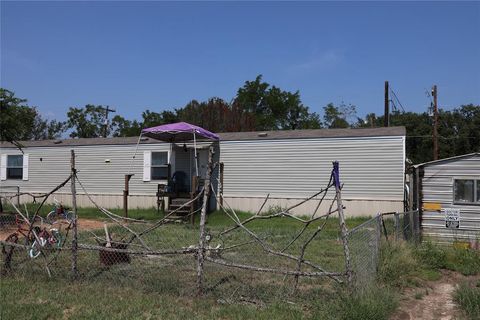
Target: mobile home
(287, 165)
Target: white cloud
(322, 61)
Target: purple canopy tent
(179, 132)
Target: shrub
(468, 298)
(465, 261)
(432, 256)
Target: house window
(14, 167)
(466, 191)
(159, 166)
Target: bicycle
(27, 233)
(59, 212)
(46, 239)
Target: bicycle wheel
(69, 216)
(11, 238)
(7, 251)
(58, 238)
(35, 250)
(51, 217)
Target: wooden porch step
(178, 204)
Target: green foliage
(338, 117)
(467, 297)
(404, 265)
(431, 255)
(465, 261)
(19, 121)
(273, 108)
(458, 131)
(397, 265)
(122, 127)
(88, 122)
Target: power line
(396, 98)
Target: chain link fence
(109, 254)
(366, 240)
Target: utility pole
(107, 110)
(435, 123)
(386, 120)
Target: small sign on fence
(452, 218)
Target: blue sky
(159, 55)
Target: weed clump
(468, 297)
(397, 265)
(374, 302)
(463, 260)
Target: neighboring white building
(288, 165)
(448, 195)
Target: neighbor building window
(14, 167)
(478, 191)
(466, 190)
(159, 166)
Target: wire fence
(366, 240)
(235, 257)
(109, 255)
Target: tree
(338, 117)
(122, 127)
(273, 108)
(457, 130)
(88, 122)
(19, 121)
(213, 114)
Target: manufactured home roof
(447, 159)
(227, 136)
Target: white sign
(452, 218)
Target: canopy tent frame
(176, 132)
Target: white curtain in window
(147, 164)
(25, 167)
(3, 167)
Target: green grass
(463, 260)
(90, 212)
(400, 266)
(164, 287)
(467, 296)
(60, 299)
(405, 265)
(374, 302)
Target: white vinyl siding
(438, 186)
(371, 168)
(96, 174)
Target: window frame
(476, 185)
(7, 173)
(152, 166)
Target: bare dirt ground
(432, 301)
(83, 224)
